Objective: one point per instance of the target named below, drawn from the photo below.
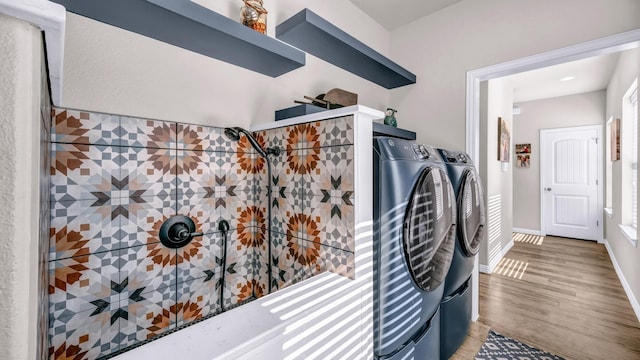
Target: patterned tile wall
(313, 200)
(115, 180)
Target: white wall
(565, 111)
(627, 255)
(116, 71)
(497, 183)
(20, 55)
(472, 34)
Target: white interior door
(570, 167)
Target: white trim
(51, 18)
(488, 269)
(619, 42)
(527, 231)
(609, 212)
(606, 45)
(625, 285)
(599, 171)
(630, 233)
(506, 249)
(475, 292)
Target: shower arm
(253, 141)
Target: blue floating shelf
(315, 35)
(386, 130)
(299, 110)
(190, 26)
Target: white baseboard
(625, 285)
(484, 269)
(527, 231)
(488, 269)
(506, 249)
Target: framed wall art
(523, 155)
(615, 140)
(504, 140)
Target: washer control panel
(393, 148)
(421, 151)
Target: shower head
(233, 133)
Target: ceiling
(393, 14)
(590, 74)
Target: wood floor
(559, 295)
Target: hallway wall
(622, 250)
(497, 176)
(565, 111)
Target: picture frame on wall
(523, 155)
(504, 140)
(523, 160)
(615, 140)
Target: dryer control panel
(454, 157)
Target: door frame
(606, 45)
(544, 169)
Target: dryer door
(429, 229)
(471, 213)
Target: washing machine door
(471, 213)
(429, 228)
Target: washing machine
(457, 300)
(414, 240)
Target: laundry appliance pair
(415, 221)
(414, 233)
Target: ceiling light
(567, 78)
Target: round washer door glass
(471, 213)
(429, 229)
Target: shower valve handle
(184, 234)
(178, 231)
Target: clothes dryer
(414, 240)
(457, 300)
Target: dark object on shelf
(390, 118)
(319, 101)
(192, 27)
(340, 97)
(386, 130)
(315, 35)
(333, 99)
(299, 110)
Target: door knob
(548, 189)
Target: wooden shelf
(190, 26)
(315, 35)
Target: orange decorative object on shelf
(254, 15)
